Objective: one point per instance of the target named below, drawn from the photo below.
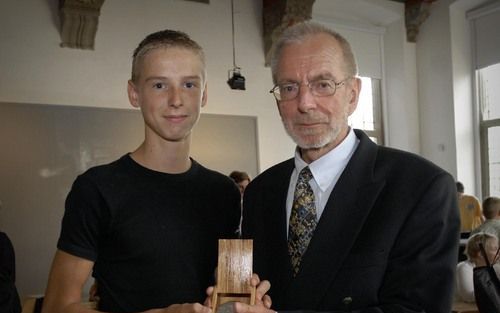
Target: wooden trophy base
(234, 272)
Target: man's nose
(306, 99)
(174, 97)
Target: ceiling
(359, 11)
(79, 18)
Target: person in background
(9, 298)
(464, 289)
(471, 215)
(491, 212)
(147, 225)
(242, 179)
(345, 225)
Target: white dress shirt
(464, 280)
(326, 172)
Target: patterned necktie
(302, 219)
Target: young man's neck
(171, 157)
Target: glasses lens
(275, 93)
(319, 88)
(288, 91)
(324, 87)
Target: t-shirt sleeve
(83, 220)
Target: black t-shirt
(9, 299)
(153, 236)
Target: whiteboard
(44, 148)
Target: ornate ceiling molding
(280, 14)
(416, 12)
(79, 20)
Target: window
(488, 79)
(485, 22)
(368, 114)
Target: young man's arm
(66, 280)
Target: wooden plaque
(234, 271)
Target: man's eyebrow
(156, 78)
(321, 76)
(288, 81)
(192, 77)
(315, 77)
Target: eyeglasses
(319, 88)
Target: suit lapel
(346, 210)
(278, 200)
(277, 223)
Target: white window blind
(485, 23)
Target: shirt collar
(328, 166)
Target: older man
(345, 225)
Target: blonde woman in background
(464, 275)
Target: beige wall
(35, 70)
(417, 86)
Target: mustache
(310, 119)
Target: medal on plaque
(234, 271)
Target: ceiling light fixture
(236, 80)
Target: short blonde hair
(472, 247)
(164, 39)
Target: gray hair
(301, 31)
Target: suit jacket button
(347, 300)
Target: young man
(345, 225)
(146, 226)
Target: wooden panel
(234, 270)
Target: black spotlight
(236, 80)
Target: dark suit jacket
(387, 240)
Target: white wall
(401, 123)
(445, 89)
(34, 69)
(466, 111)
(435, 88)
(376, 31)
(466, 130)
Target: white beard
(313, 140)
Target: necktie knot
(305, 175)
